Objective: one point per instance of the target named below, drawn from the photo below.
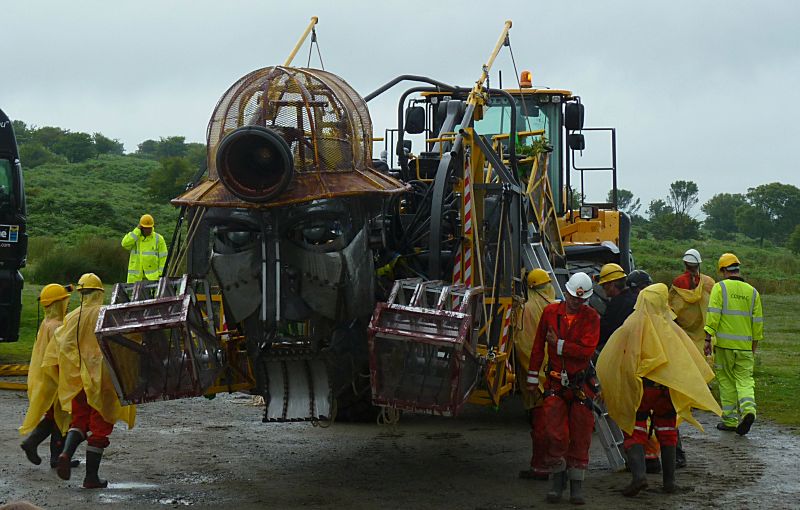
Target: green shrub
(102, 256)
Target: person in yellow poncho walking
(43, 382)
(651, 369)
(688, 298)
(540, 294)
(85, 388)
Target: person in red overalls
(570, 332)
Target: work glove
(137, 231)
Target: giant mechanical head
(285, 135)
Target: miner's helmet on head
(610, 273)
(147, 221)
(580, 286)
(728, 262)
(537, 277)
(53, 292)
(639, 279)
(692, 257)
(89, 282)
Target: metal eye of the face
(320, 233)
(238, 237)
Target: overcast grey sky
(697, 90)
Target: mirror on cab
(573, 116)
(576, 141)
(415, 120)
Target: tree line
(178, 161)
(765, 212)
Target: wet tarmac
(218, 454)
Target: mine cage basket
(158, 342)
(422, 347)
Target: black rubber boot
(680, 455)
(93, 458)
(668, 466)
(637, 464)
(576, 486)
(34, 439)
(652, 466)
(744, 427)
(559, 480)
(64, 465)
(56, 446)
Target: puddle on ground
(113, 498)
(177, 501)
(131, 485)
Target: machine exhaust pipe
(255, 163)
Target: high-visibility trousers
(736, 384)
(568, 425)
(657, 406)
(89, 421)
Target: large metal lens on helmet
(254, 163)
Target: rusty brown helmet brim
(303, 188)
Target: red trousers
(539, 440)
(655, 400)
(86, 419)
(569, 426)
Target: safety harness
(574, 384)
(645, 415)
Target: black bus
(13, 238)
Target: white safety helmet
(579, 285)
(692, 256)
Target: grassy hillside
(104, 196)
(78, 213)
(772, 270)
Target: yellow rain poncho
(690, 306)
(649, 344)
(538, 298)
(81, 364)
(43, 381)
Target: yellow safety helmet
(146, 221)
(610, 272)
(90, 281)
(538, 277)
(51, 293)
(727, 260)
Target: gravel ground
(218, 454)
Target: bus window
(6, 182)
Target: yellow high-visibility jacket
(148, 255)
(734, 314)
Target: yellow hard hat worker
(51, 293)
(85, 386)
(148, 251)
(727, 260)
(146, 221)
(45, 418)
(610, 272)
(89, 281)
(538, 277)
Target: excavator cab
(13, 237)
